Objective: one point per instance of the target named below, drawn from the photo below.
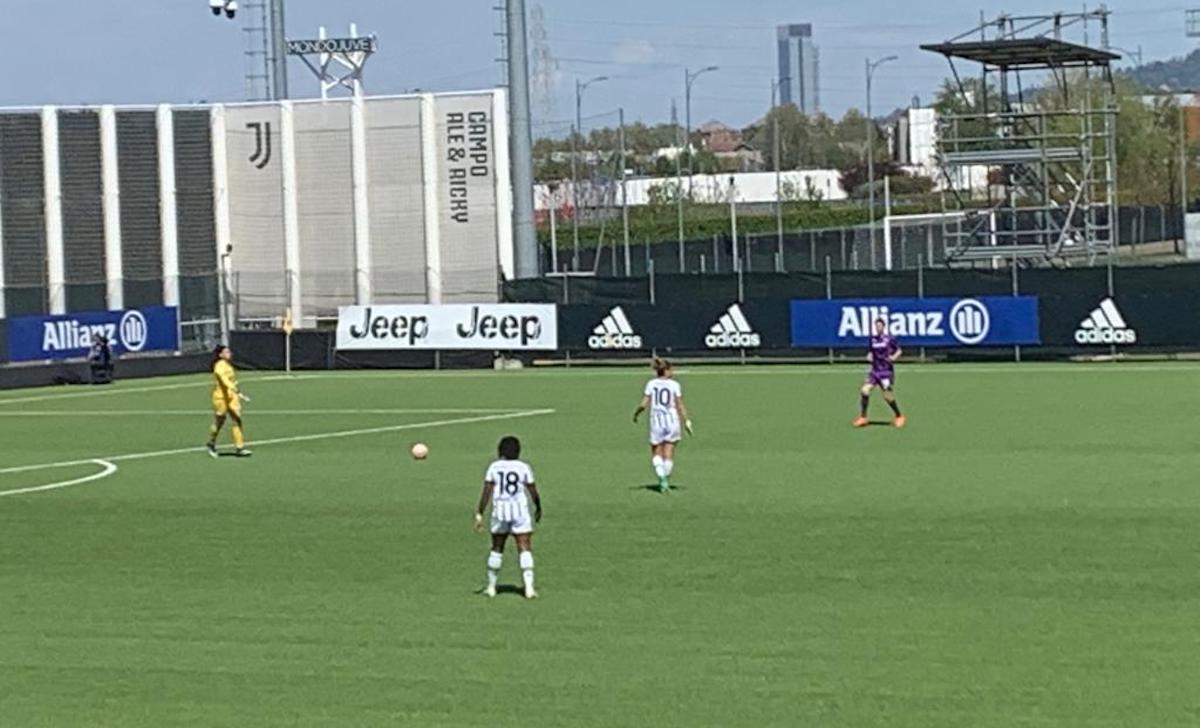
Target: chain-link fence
(1142, 231)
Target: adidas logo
(1105, 325)
(732, 331)
(614, 332)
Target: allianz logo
(968, 321)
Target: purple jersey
(882, 349)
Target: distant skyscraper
(799, 65)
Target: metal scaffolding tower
(1030, 161)
(259, 51)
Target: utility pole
(1183, 170)
(775, 84)
(624, 190)
(574, 198)
(678, 180)
(871, 66)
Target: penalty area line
(286, 440)
(109, 469)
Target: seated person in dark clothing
(101, 360)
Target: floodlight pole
(279, 76)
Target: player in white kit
(664, 398)
(509, 485)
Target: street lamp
(1135, 54)
(871, 66)
(776, 84)
(580, 87)
(690, 78)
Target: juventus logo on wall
(262, 143)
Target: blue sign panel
(983, 321)
(32, 338)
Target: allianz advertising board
(932, 322)
(36, 338)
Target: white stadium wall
(395, 193)
(389, 200)
(320, 204)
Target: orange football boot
(900, 421)
(861, 422)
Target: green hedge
(702, 221)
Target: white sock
(658, 466)
(668, 466)
(495, 559)
(526, 559)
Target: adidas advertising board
(732, 331)
(932, 322)
(631, 328)
(1104, 326)
(490, 327)
(614, 332)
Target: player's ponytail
(217, 355)
(661, 366)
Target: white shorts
(511, 517)
(664, 429)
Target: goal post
(892, 222)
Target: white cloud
(634, 51)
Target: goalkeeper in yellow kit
(226, 402)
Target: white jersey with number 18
(664, 396)
(510, 501)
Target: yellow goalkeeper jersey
(225, 381)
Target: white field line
(199, 412)
(839, 369)
(109, 390)
(285, 440)
(109, 469)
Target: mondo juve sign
(330, 45)
(489, 327)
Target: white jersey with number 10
(664, 396)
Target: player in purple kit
(883, 352)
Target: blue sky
(144, 51)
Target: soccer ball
(420, 451)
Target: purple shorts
(881, 378)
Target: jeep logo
(382, 328)
(507, 327)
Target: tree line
(1150, 145)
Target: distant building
(799, 67)
(914, 138)
(730, 148)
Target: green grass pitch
(1025, 553)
